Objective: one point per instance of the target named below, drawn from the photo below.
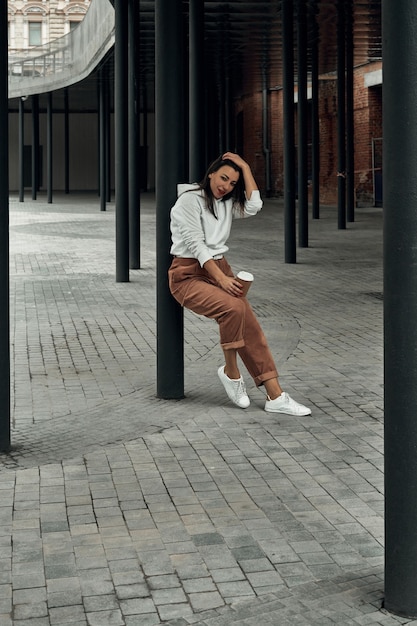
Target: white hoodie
(196, 233)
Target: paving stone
(151, 619)
(67, 614)
(227, 574)
(199, 585)
(204, 600)
(171, 611)
(132, 591)
(234, 589)
(137, 606)
(105, 618)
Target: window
(35, 33)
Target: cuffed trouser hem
(262, 378)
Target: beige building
(36, 22)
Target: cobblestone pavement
(119, 508)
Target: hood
(182, 187)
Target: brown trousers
(194, 288)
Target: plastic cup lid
(245, 276)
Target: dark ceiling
(248, 34)
(244, 36)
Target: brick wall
(367, 126)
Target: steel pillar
(399, 27)
(315, 127)
(350, 126)
(4, 239)
(169, 107)
(134, 134)
(35, 146)
(102, 149)
(289, 152)
(108, 131)
(265, 121)
(66, 139)
(21, 150)
(49, 146)
(196, 111)
(341, 117)
(121, 139)
(302, 108)
(144, 163)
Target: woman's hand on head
(232, 156)
(249, 181)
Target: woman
(201, 279)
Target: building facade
(36, 22)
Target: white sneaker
(235, 389)
(285, 404)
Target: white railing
(64, 61)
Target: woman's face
(223, 181)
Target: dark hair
(238, 192)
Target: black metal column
(108, 131)
(350, 126)
(315, 127)
(341, 117)
(144, 162)
(49, 146)
(289, 135)
(35, 146)
(102, 97)
(134, 134)
(302, 109)
(121, 139)
(98, 93)
(21, 150)
(265, 121)
(221, 113)
(399, 27)
(169, 172)
(196, 91)
(227, 110)
(4, 239)
(66, 139)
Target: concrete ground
(119, 508)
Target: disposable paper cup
(245, 279)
